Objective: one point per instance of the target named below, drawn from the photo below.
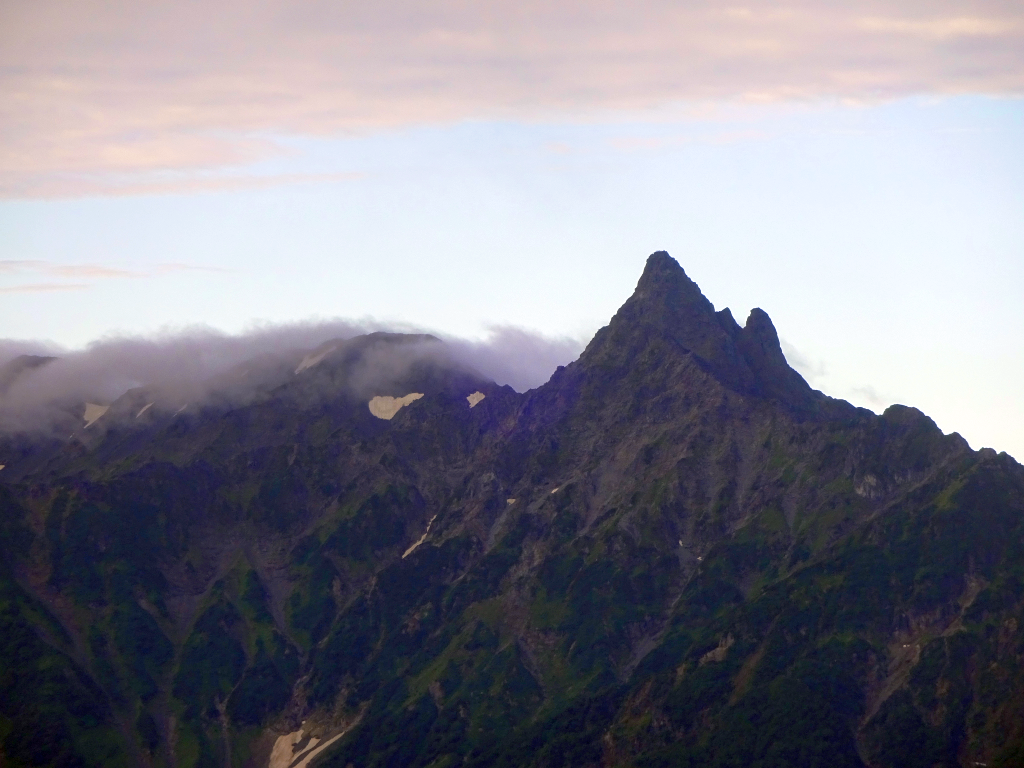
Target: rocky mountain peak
(759, 343)
(665, 281)
(668, 306)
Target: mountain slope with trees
(675, 552)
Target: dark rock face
(669, 307)
(673, 553)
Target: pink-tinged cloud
(82, 272)
(141, 181)
(87, 271)
(119, 88)
(37, 266)
(43, 287)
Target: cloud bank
(191, 365)
(111, 97)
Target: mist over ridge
(190, 364)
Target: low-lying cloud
(193, 365)
(107, 97)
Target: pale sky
(857, 173)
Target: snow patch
(285, 755)
(475, 398)
(314, 358)
(144, 408)
(385, 407)
(718, 654)
(420, 540)
(281, 754)
(94, 412)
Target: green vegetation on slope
(673, 554)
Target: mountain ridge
(672, 553)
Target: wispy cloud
(97, 92)
(810, 368)
(43, 287)
(644, 143)
(13, 266)
(142, 183)
(940, 28)
(93, 272)
(19, 265)
(871, 396)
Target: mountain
(674, 553)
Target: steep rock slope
(673, 553)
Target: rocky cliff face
(673, 553)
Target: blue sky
(883, 231)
